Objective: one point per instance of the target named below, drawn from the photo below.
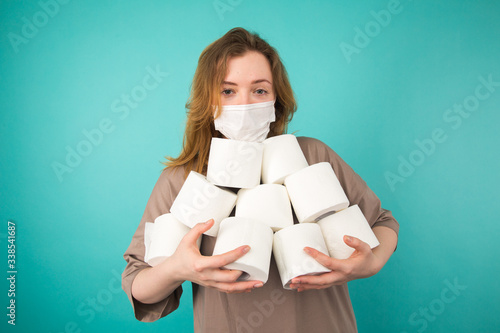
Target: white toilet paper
(351, 222)
(234, 163)
(282, 157)
(164, 237)
(267, 203)
(199, 201)
(148, 231)
(315, 191)
(288, 250)
(237, 231)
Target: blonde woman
(242, 69)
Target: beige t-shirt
(269, 308)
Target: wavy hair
(205, 93)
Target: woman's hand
(362, 263)
(154, 284)
(207, 271)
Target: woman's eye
(226, 92)
(261, 92)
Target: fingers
(323, 259)
(225, 275)
(195, 232)
(206, 270)
(357, 244)
(218, 261)
(226, 281)
(238, 287)
(228, 257)
(324, 280)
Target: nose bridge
(244, 96)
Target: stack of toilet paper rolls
(288, 181)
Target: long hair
(205, 94)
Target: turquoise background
(370, 107)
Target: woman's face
(249, 80)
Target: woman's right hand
(207, 271)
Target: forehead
(249, 67)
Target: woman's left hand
(362, 263)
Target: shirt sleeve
(355, 188)
(159, 203)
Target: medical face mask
(248, 122)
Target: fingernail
(307, 250)
(348, 238)
(258, 285)
(246, 249)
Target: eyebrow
(253, 82)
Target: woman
(242, 69)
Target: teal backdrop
(92, 98)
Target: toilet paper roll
(282, 157)
(199, 201)
(234, 163)
(288, 250)
(349, 221)
(165, 235)
(238, 231)
(267, 203)
(315, 191)
(148, 231)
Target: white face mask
(248, 122)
